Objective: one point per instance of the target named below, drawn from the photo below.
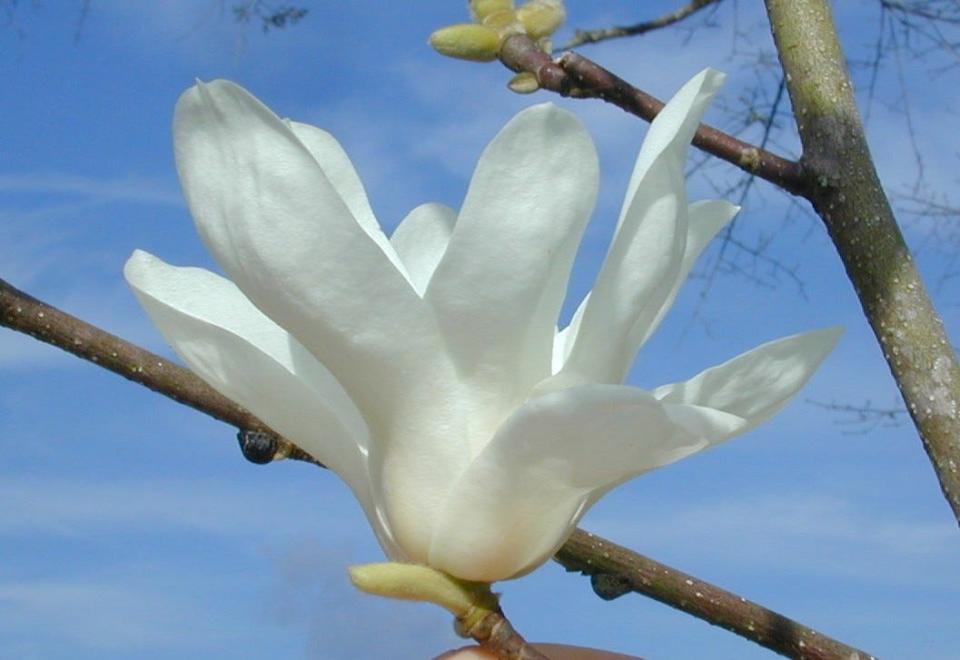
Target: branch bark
(617, 567)
(24, 313)
(581, 37)
(614, 571)
(577, 76)
(848, 196)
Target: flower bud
(524, 83)
(467, 41)
(541, 18)
(481, 9)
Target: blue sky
(130, 527)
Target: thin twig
(726, 236)
(581, 37)
(584, 552)
(575, 75)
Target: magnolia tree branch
(574, 75)
(36, 318)
(849, 197)
(614, 571)
(581, 37)
(618, 568)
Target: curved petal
(564, 340)
(498, 289)
(644, 262)
(341, 174)
(246, 357)
(705, 220)
(421, 239)
(755, 385)
(521, 496)
(673, 128)
(284, 235)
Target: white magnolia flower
(425, 369)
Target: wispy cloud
(78, 508)
(128, 189)
(102, 615)
(812, 534)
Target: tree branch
(574, 75)
(28, 315)
(581, 37)
(849, 197)
(584, 552)
(615, 570)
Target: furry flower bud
(541, 18)
(467, 41)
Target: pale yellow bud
(467, 41)
(481, 9)
(541, 18)
(469, 602)
(524, 83)
(504, 22)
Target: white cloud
(130, 189)
(81, 508)
(101, 615)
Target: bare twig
(866, 416)
(581, 37)
(574, 75)
(849, 198)
(584, 552)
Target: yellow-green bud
(541, 18)
(467, 41)
(524, 83)
(504, 22)
(469, 602)
(480, 9)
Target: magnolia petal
(341, 174)
(673, 128)
(712, 425)
(636, 277)
(645, 259)
(756, 385)
(523, 493)
(242, 354)
(285, 236)
(705, 220)
(421, 239)
(501, 282)
(566, 338)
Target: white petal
(706, 219)
(643, 265)
(246, 357)
(281, 230)
(566, 338)
(757, 384)
(498, 289)
(519, 499)
(637, 275)
(673, 128)
(341, 174)
(421, 239)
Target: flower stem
(474, 606)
